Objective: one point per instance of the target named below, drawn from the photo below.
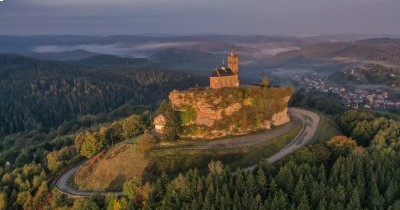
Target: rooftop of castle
(223, 71)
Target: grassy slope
(124, 162)
(326, 129)
(183, 160)
(119, 164)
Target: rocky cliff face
(210, 113)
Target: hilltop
(61, 56)
(110, 60)
(380, 49)
(214, 113)
(369, 74)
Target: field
(123, 162)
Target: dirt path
(309, 120)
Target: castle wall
(226, 81)
(214, 82)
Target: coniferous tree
(316, 195)
(354, 203)
(261, 181)
(396, 205)
(299, 191)
(375, 199)
(391, 192)
(273, 187)
(340, 194)
(159, 188)
(172, 126)
(236, 201)
(251, 184)
(304, 204)
(322, 204)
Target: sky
(183, 17)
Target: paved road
(63, 186)
(246, 140)
(309, 120)
(310, 124)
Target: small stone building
(159, 123)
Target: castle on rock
(226, 76)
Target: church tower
(233, 62)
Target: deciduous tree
(341, 145)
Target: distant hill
(110, 60)
(320, 51)
(62, 56)
(383, 49)
(22, 44)
(174, 55)
(187, 60)
(86, 58)
(369, 74)
(344, 37)
(37, 94)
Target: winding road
(309, 120)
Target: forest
(340, 173)
(356, 171)
(369, 74)
(45, 104)
(40, 95)
(379, 49)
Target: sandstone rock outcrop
(230, 111)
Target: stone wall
(225, 81)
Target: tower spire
(233, 51)
(233, 61)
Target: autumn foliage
(341, 145)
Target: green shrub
(188, 115)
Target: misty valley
(199, 122)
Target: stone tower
(233, 62)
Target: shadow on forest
(181, 162)
(117, 183)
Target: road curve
(310, 124)
(62, 184)
(309, 120)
